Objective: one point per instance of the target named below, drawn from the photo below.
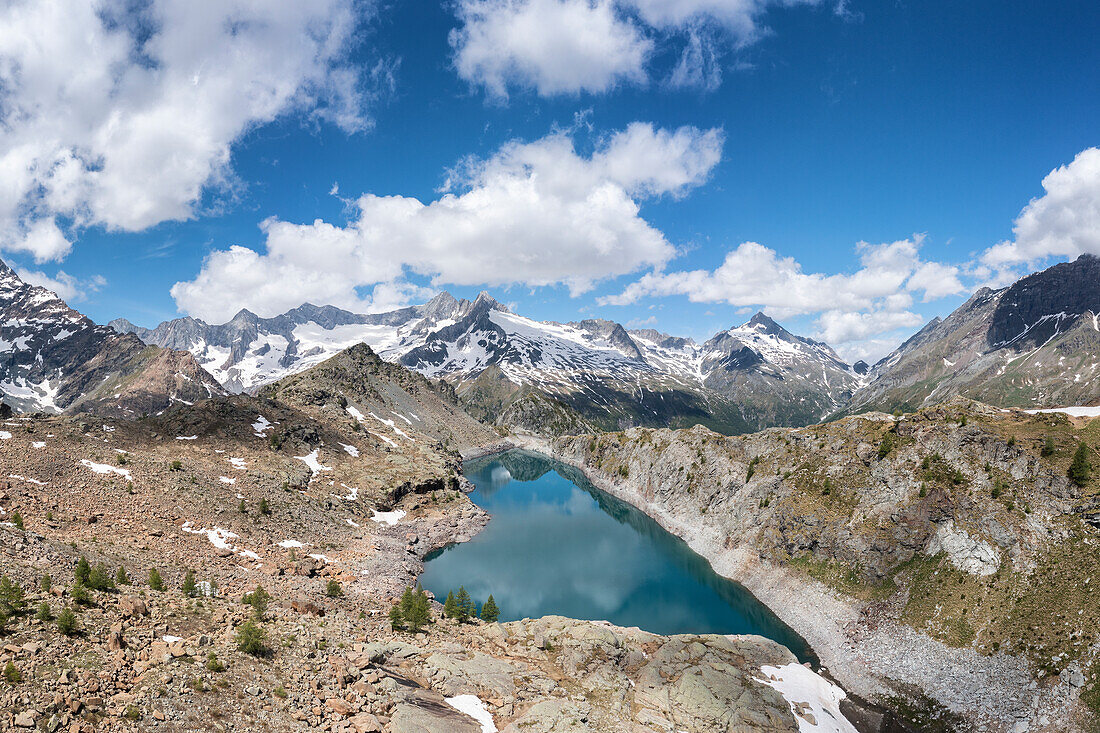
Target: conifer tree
(11, 597)
(155, 581)
(66, 622)
(420, 611)
(464, 603)
(450, 608)
(489, 611)
(100, 578)
(83, 570)
(406, 603)
(396, 621)
(122, 578)
(1080, 471)
(189, 586)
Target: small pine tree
(45, 583)
(1048, 448)
(79, 593)
(259, 600)
(17, 520)
(44, 614)
(83, 570)
(489, 611)
(175, 466)
(333, 589)
(212, 663)
(397, 623)
(265, 508)
(420, 613)
(242, 508)
(450, 608)
(155, 581)
(464, 604)
(1080, 470)
(12, 675)
(251, 639)
(122, 578)
(887, 445)
(100, 578)
(189, 587)
(11, 597)
(66, 621)
(407, 600)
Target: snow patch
(390, 518)
(814, 700)
(104, 468)
(290, 544)
(187, 437)
(5, 435)
(473, 706)
(217, 536)
(227, 480)
(311, 461)
(1082, 411)
(351, 450)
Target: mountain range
(1032, 344)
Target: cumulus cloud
(1063, 222)
(64, 285)
(534, 213)
(574, 46)
(124, 114)
(849, 307)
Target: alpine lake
(558, 545)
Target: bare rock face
(978, 351)
(54, 359)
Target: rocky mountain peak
(487, 302)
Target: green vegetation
(212, 663)
(242, 508)
(489, 610)
(11, 597)
(886, 447)
(252, 639)
(17, 520)
(1048, 448)
(83, 570)
(752, 468)
(66, 622)
(333, 589)
(259, 600)
(175, 466)
(45, 583)
(121, 459)
(155, 581)
(189, 587)
(412, 612)
(100, 578)
(44, 614)
(12, 675)
(122, 577)
(1080, 470)
(79, 594)
(264, 507)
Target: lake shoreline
(871, 661)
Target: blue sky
(920, 129)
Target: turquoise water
(558, 545)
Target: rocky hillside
(1033, 344)
(54, 359)
(332, 513)
(945, 551)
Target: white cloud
(124, 114)
(553, 46)
(64, 285)
(1063, 222)
(533, 213)
(873, 300)
(573, 46)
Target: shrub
(251, 639)
(887, 445)
(12, 675)
(1012, 441)
(17, 520)
(175, 466)
(1080, 470)
(83, 570)
(100, 578)
(132, 713)
(66, 621)
(752, 468)
(489, 611)
(155, 581)
(122, 578)
(1048, 448)
(265, 508)
(212, 663)
(11, 597)
(79, 593)
(397, 621)
(258, 599)
(45, 583)
(280, 692)
(333, 589)
(44, 614)
(122, 459)
(242, 508)
(189, 587)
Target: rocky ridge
(957, 560)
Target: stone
(24, 719)
(364, 723)
(339, 706)
(132, 606)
